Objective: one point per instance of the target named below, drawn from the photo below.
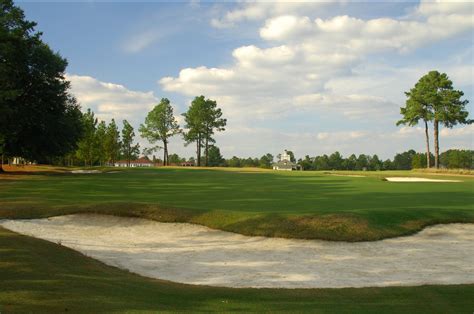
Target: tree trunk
(1, 165)
(207, 151)
(436, 142)
(427, 145)
(198, 150)
(128, 157)
(165, 153)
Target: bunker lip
(194, 254)
(417, 179)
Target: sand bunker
(194, 254)
(85, 171)
(412, 179)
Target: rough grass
(41, 277)
(252, 202)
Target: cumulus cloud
(366, 36)
(109, 100)
(258, 10)
(463, 131)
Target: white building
(285, 163)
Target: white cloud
(285, 26)
(463, 131)
(258, 10)
(355, 106)
(430, 7)
(345, 33)
(109, 100)
(137, 42)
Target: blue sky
(311, 77)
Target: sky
(312, 77)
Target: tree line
(402, 161)
(451, 159)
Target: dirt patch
(413, 179)
(193, 254)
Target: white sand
(413, 179)
(85, 171)
(442, 254)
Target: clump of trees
(39, 118)
(102, 144)
(457, 159)
(160, 125)
(433, 99)
(202, 119)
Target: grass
(247, 201)
(41, 277)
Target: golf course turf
(39, 276)
(310, 205)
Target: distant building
(285, 163)
(140, 162)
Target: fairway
(282, 204)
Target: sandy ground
(413, 179)
(193, 254)
(85, 171)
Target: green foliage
(419, 161)
(175, 159)
(403, 161)
(292, 155)
(266, 161)
(129, 150)
(100, 137)
(39, 119)
(160, 124)
(112, 143)
(202, 119)
(87, 148)
(335, 161)
(457, 159)
(306, 163)
(215, 158)
(434, 99)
